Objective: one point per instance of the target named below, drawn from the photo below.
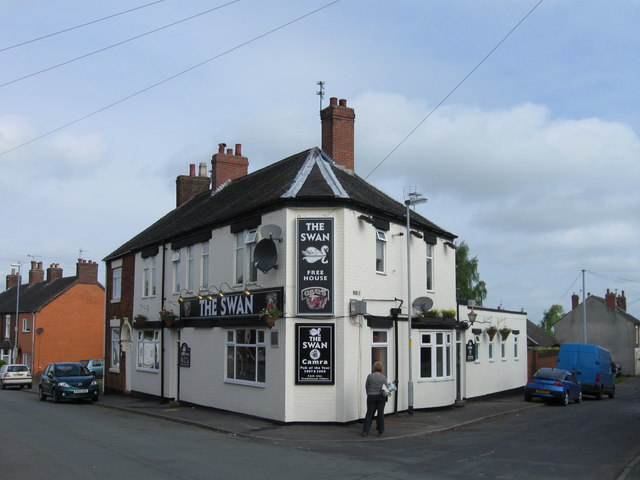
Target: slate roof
(308, 178)
(538, 337)
(34, 296)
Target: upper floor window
(381, 245)
(26, 324)
(239, 264)
(429, 266)
(177, 271)
(149, 277)
(7, 326)
(191, 269)
(205, 264)
(245, 242)
(253, 268)
(116, 290)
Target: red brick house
(59, 318)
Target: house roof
(538, 337)
(34, 296)
(309, 178)
(617, 311)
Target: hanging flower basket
(270, 315)
(139, 321)
(504, 332)
(491, 331)
(168, 317)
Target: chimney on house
(87, 271)
(36, 274)
(188, 186)
(575, 301)
(337, 132)
(54, 271)
(12, 279)
(228, 165)
(621, 302)
(610, 299)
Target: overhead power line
(172, 77)
(78, 26)
(453, 90)
(117, 44)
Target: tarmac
(397, 425)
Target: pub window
(435, 355)
(379, 348)
(177, 273)
(381, 242)
(149, 277)
(149, 350)
(205, 264)
(429, 267)
(246, 356)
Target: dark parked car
(68, 381)
(95, 366)
(553, 384)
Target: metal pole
(14, 353)
(409, 307)
(584, 308)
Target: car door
(574, 386)
(45, 381)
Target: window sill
(114, 370)
(115, 300)
(147, 370)
(246, 383)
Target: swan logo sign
(315, 266)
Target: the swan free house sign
(315, 266)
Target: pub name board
(314, 289)
(233, 304)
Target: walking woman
(376, 400)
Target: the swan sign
(315, 266)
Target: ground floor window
(115, 348)
(246, 355)
(26, 359)
(149, 349)
(5, 355)
(435, 355)
(515, 347)
(379, 347)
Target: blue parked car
(553, 384)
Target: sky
(518, 120)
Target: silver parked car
(15, 374)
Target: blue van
(591, 365)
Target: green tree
(468, 283)
(551, 317)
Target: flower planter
(491, 332)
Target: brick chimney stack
(621, 302)
(610, 299)
(228, 165)
(12, 279)
(54, 272)
(87, 271)
(337, 132)
(575, 301)
(188, 186)
(36, 274)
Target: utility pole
(584, 308)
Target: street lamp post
(415, 198)
(14, 352)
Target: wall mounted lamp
(451, 245)
(366, 218)
(472, 316)
(182, 297)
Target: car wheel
(30, 386)
(527, 397)
(579, 397)
(94, 399)
(56, 397)
(599, 393)
(3, 386)
(612, 393)
(41, 395)
(564, 401)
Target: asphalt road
(591, 440)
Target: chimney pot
(239, 149)
(343, 102)
(333, 101)
(192, 169)
(221, 147)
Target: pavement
(397, 425)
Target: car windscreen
(17, 368)
(550, 373)
(71, 371)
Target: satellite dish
(265, 255)
(422, 304)
(272, 232)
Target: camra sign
(314, 266)
(314, 354)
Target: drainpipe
(33, 341)
(162, 331)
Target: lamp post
(14, 352)
(415, 198)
